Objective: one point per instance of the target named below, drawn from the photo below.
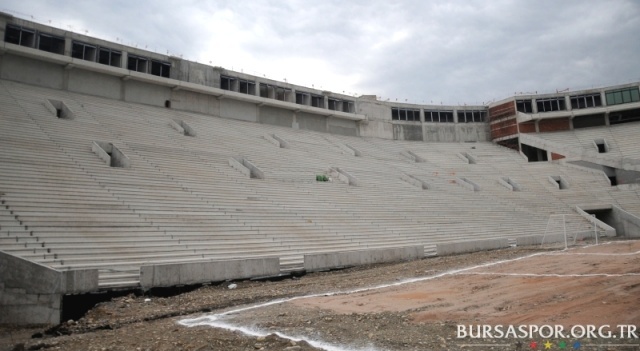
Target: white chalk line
(214, 320)
(586, 275)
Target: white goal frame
(570, 226)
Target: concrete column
(455, 116)
(537, 123)
(534, 106)
(325, 98)
(68, 46)
(125, 57)
(567, 102)
(607, 122)
(603, 97)
(570, 123)
(421, 115)
(257, 92)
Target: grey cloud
(454, 52)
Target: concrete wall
(626, 224)
(343, 127)
(308, 121)
(472, 132)
(171, 274)
(194, 72)
(408, 131)
(275, 116)
(530, 240)
(30, 71)
(378, 114)
(145, 93)
(459, 247)
(439, 132)
(91, 83)
(195, 102)
(32, 294)
(328, 260)
(241, 110)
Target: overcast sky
(421, 51)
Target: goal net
(566, 230)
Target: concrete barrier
(171, 274)
(458, 247)
(419, 183)
(283, 143)
(245, 167)
(237, 165)
(110, 153)
(176, 125)
(530, 240)
(467, 184)
(328, 260)
(31, 293)
(628, 223)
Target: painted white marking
(215, 320)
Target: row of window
(88, 52)
(622, 96)
(464, 116)
(403, 114)
(309, 99)
(614, 97)
(30, 38)
(274, 92)
(93, 53)
(467, 116)
(284, 94)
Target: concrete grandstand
(127, 169)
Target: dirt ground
(418, 316)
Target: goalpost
(565, 230)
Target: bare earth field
(421, 310)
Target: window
(264, 90)
(622, 96)
(466, 116)
(317, 101)
(83, 51)
(246, 87)
(161, 69)
(51, 43)
(551, 104)
(137, 63)
(403, 114)
(334, 104)
(240, 85)
(586, 101)
(226, 82)
(109, 57)
(524, 106)
(349, 107)
(302, 98)
(282, 94)
(20, 36)
(438, 116)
